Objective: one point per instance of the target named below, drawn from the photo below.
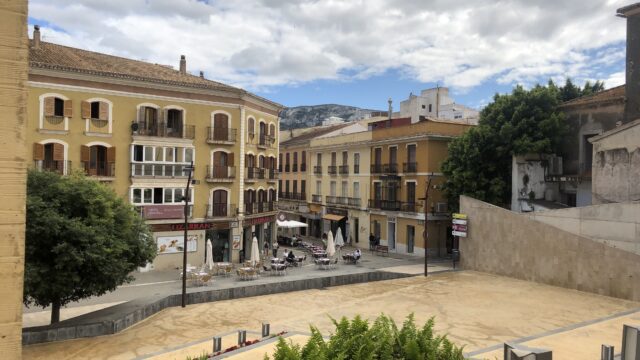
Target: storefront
(336, 219)
(262, 228)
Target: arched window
(175, 118)
(263, 134)
(272, 195)
(219, 203)
(221, 127)
(222, 167)
(252, 127)
(148, 121)
(50, 156)
(272, 131)
(98, 160)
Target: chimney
(183, 64)
(36, 36)
(201, 74)
(632, 77)
(390, 107)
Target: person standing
(372, 241)
(266, 249)
(275, 249)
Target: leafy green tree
(82, 240)
(358, 340)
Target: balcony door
(411, 192)
(411, 154)
(174, 123)
(220, 165)
(220, 203)
(220, 127)
(263, 133)
(393, 159)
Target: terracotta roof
(614, 94)
(64, 58)
(321, 130)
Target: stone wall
(509, 244)
(617, 225)
(13, 99)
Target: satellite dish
(134, 126)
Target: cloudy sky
(354, 52)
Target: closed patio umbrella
(255, 252)
(209, 259)
(339, 240)
(331, 247)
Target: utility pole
(189, 170)
(426, 221)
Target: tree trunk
(55, 312)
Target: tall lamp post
(189, 171)
(426, 221)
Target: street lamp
(189, 171)
(426, 221)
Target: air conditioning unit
(441, 207)
(555, 165)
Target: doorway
(391, 235)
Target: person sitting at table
(290, 257)
(285, 253)
(357, 253)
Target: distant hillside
(306, 116)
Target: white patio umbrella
(339, 240)
(209, 259)
(255, 252)
(331, 247)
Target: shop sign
(236, 242)
(459, 216)
(234, 224)
(175, 244)
(152, 212)
(259, 220)
(192, 226)
(459, 227)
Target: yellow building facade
(138, 127)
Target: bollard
(265, 329)
(242, 337)
(217, 344)
(606, 352)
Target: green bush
(359, 340)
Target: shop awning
(332, 217)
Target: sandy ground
(476, 310)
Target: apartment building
(138, 127)
(404, 156)
(435, 103)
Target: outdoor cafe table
(279, 268)
(277, 261)
(319, 254)
(349, 258)
(323, 262)
(246, 271)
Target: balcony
(410, 167)
(294, 168)
(354, 202)
(292, 196)
(254, 174)
(158, 170)
(343, 169)
(272, 175)
(287, 168)
(390, 168)
(220, 210)
(356, 169)
(162, 130)
(102, 169)
(58, 166)
(391, 205)
(376, 168)
(218, 173)
(316, 199)
(265, 141)
(317, 170)
(259, 207)
(332, 169)
(221, 135)
(410, 206)
(303, 167)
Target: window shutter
(103, 110)
(49, 106)
(230, 159)
(58, 152)
(141, 111)
(38, 151)
(251, 126)
(85, 109)
(111, 154)
(85, 154)
(68, 108)
(246, 161)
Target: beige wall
(506, 243)
(617, 225)
(13, 77)
(171, 261)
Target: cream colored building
(137, 126)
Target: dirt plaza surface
(477, 310)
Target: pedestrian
(266, 249)
(275, 249)
(372, 240)
(324, 240)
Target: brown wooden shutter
(49, 106)
(103, 110)
(141, 113)
(230, 159)
(58, 152)
(38, 151)
(68, 108)
(111, 154)
(85, 154)
(85, 109)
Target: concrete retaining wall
(117, 318)
(617, 225)
(506, 243)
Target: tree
(479, 162)
(82, 240)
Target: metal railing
(409, 206)
(376, 168)
(316, 199)
(303, 167)
(265, 141)
(343, 169)
(392, 205)
(219, 172)
(62, 167)
(410, 167)
(220, 210)
(221, 135)
(107, 169)
(294, 168)
(355, 202)
(332, 169)
(331, 199)
(292, 195)
(254, 173)
(287, 168)
(390, 168)
(258, 207)
(158, 170)
(317, 170)
(272, 174)
(162, 130)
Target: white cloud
(261, 43)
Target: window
(345, 189)
(158, 195)
(332, 190)
(280, 165)
(49, 157)
(252, 127)
(286, 164)
(272, 131)
(286, 186)
(429, 107)
(303, 186)
(58, 107)
(174, 121)
(295, 161)
(318, 187)
(280, 185)
(356, 163)
(411, 192)
(95, 110)
(319, 159)
(295, 186)
(356, 190)
(377, 191)
(377, 156)
(188, 155)
(423, 106)
(303, 161)
(333, 159)
(98, 160)
(345, 158)
(411, 238)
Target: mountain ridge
(313, 115)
